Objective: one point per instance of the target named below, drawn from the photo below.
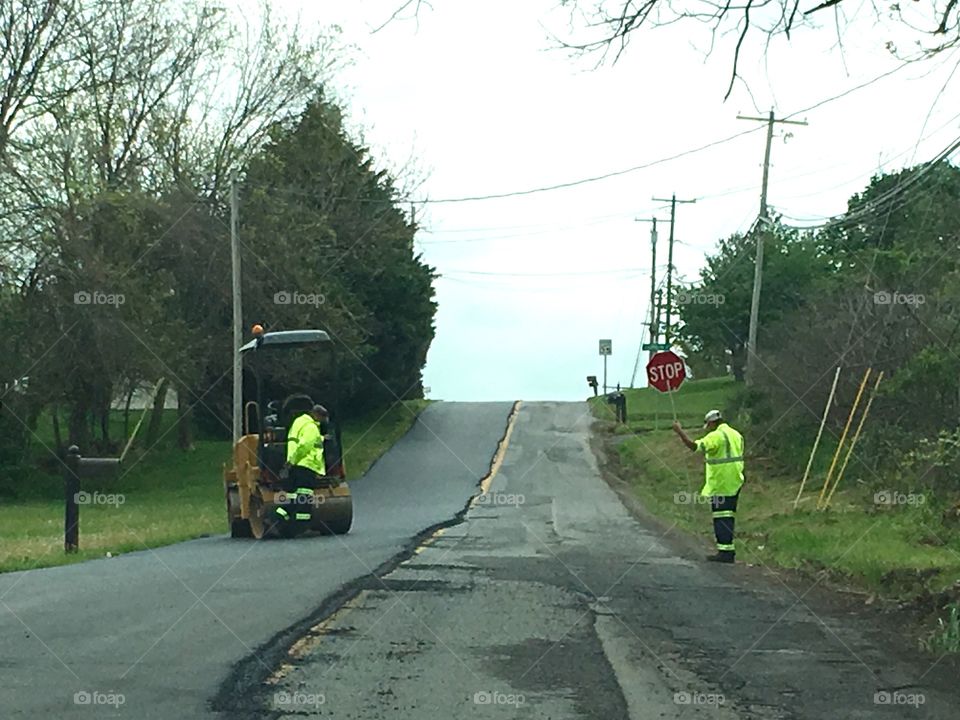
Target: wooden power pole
(667, 336)
(237, 312)
(761, 230)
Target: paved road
(551, 601)
(166, 628)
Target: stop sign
(666, 371)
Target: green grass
(946, 638)
(897, 552)
(168, 496)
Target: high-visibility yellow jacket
(723, 452)
(305, 444)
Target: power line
(859, 177)
(535, 226)
(592, 179)
(878, 205)
(855, 88)
(533, 233)
(505, 285)
(618, 271)
(587, 180)
(618, 173)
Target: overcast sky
(477, 94)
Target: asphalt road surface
(157, 634)
(550, 600)
(546, 598)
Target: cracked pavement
(551, 600)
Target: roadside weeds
(888, 558)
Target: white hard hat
(711, 417)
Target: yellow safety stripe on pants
(282, 513)
(304, 491)
(303, 516)
(724, 513)
(724, 546)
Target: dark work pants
(299, 476)
(724, 517)
(298, 505)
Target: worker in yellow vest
(305, 445)
(722, 448)
(305, 462)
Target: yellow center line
(302, 647)
(499, 455)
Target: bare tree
(31, 33)
(263, 71)
(122, 121)
(613, 23)
(610, 25)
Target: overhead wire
(484, 283)
(859, 177)
(878, 205)
(594, 178)
(564, 273)
(676, 156)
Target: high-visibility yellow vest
(305, 444)
(723, 452)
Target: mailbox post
(592, 382)
(77, 466)
(619, 401)
(71, 485)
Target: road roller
(256, 482)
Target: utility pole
(237, 311)
(653, 333)
(659, 311)
(761, 230)
(673, 221)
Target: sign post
(666, 372)
(606, 349)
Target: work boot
(724, 556)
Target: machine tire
(239, 528)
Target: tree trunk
(738, 361)
(57, 435)
(184, 420)
(105, 425)
(156, 415)
(126, 411)
(79, 426)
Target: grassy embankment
(902, 552)
(168, 495)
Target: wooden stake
(816, 443)
(843, 437)
(856, 436)
(136, 429)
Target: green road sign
(656, 346)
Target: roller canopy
(285, 339)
